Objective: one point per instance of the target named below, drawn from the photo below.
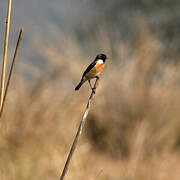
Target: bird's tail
(79, 85)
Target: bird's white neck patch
(100, 61)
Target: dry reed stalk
(79, 131)
(11, 69)
(3, 75)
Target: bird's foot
(93, 90)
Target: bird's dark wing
(89, 67)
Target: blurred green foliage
(140, 3)
(158, 3)
(161, 16)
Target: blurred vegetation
(162, 17)
(158, 3)
(146, 3)
(132, 131)
(140, 4)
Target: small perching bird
(93, 70)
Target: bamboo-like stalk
(3, 75)
(73, 147)
(11, 69)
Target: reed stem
(3, 75)
(11, 69)
(79, 131)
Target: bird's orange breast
(95, 71)
(98, 68)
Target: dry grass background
(132, 132)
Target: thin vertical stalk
(73, 147)
(11, 69)
(3, 75)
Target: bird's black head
(101, 56)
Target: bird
(93, 71)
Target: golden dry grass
(132, 131)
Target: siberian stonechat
(93, 70)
